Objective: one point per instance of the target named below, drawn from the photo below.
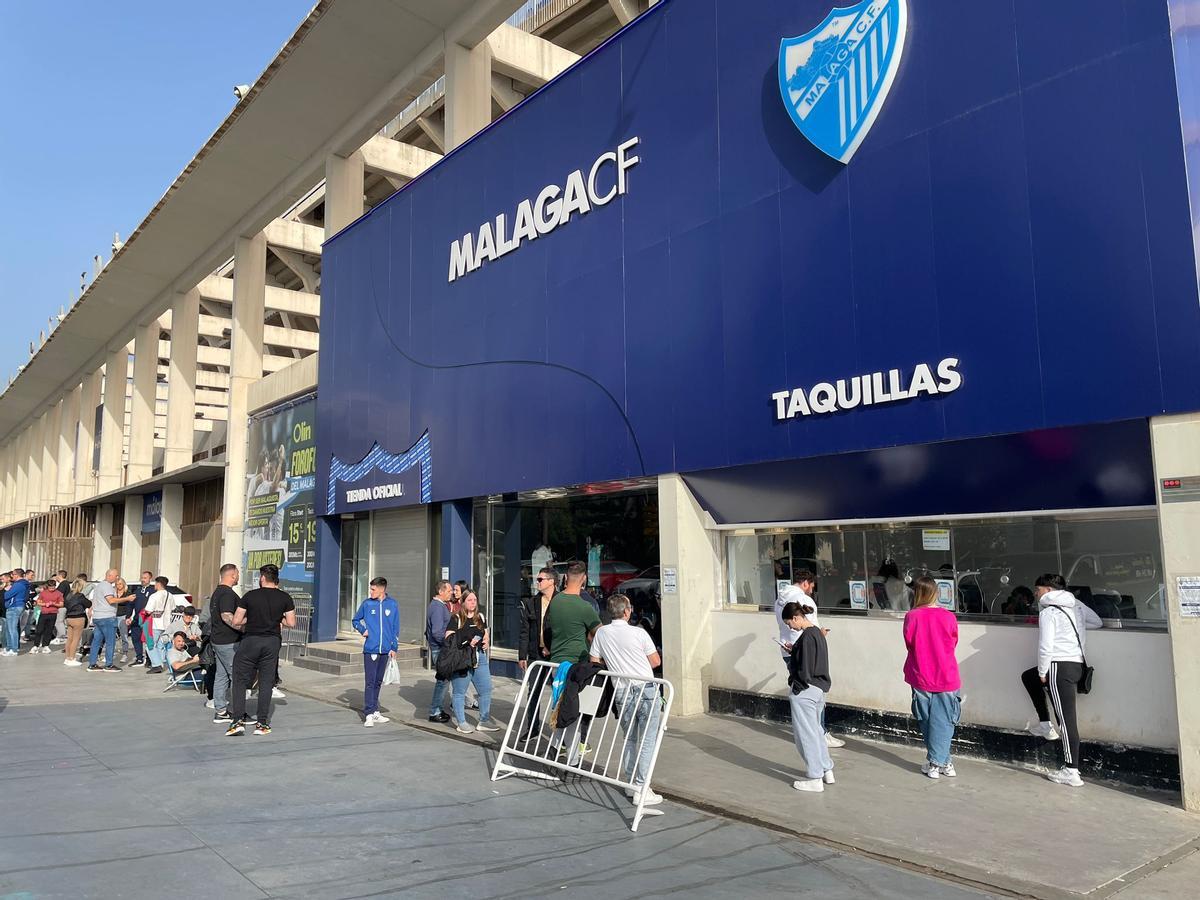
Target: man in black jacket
(531, 647)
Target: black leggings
(1061, 683)
(45, 629)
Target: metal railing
(614, 739)
(295, 640)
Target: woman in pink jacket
(931, 636)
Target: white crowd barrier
(617, 736)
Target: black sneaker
(441, 718)
(94, 668)
(112, 668)
(262, 728)
(222, 718)
(157, 670)
(235, 728)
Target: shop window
(615, 535)
(987, 568)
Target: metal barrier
(629, 713)
(294, 641)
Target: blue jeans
(123, 633)
(481, 677)
(936, 714)
(439, 686)
(12, 628)
(103, 631)
(157, 649)
(640, 711)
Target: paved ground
(115, 790)
(1002, 826)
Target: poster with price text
(281, 467)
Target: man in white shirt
(804, 584)
(627, 650)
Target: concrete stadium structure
(210, 310)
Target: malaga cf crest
(835, 79)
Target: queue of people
(931, 670)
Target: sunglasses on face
(541, 578)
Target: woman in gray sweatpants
(808, 679)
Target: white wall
(1133, 701)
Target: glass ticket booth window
(613, 533)
(984, 568)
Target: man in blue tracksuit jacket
(14, 605)
(378, 620)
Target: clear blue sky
(103, 105)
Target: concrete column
(22, 482)
(181, 381)
(33, 496)
(141, 419)
(246, 360)
(102, 543)
(170, 535)
(85, 468)
(6, 560)
(343, 191)
(468, 92)
(18, 547)
(67, 435)
(53, 420)
(10, 481)
(112, 431)
(131, 538)
(1176, 444)
(693, 551)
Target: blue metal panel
(1020, 203)
(1084, 467)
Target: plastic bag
(391, 675)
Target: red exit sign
(1170, 484)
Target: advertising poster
(281, 525)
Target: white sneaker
(813, 785)
(464, 728)
(929, 769)
(647, 797)
(831, 741)
(72, 662)
(1044, 730)
(56, 641)
(369, 721)
(209, 704)
(277, 694)
(380, 718)
(948, 770)
(1065, 776)
(828, 777)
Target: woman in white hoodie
(1062, 627)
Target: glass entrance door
(355, 574)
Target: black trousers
(1062, 682)
(45, 630)
(531, 722)
(257, 655)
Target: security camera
(241, 90)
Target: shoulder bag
(1085, 682)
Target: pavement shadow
(734, 755)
